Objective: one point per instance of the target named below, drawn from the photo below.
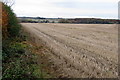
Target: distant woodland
(68, 20)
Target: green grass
(38, 71)
(20, 62)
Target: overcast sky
(67, 8)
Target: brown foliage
(4, 22)
(0, 14)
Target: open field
(79, 50)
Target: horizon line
(70, 17)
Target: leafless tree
(8, 2)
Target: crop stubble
(80, 50)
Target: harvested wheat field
(79, 50)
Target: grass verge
(19, 60)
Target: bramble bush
(13, 27)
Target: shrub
(63, 21)
(14, 31)
(13, 27)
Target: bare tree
(8, 2)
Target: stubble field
(79, 50)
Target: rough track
(80, 50)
